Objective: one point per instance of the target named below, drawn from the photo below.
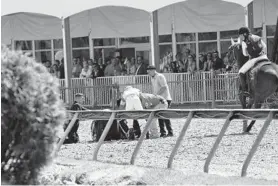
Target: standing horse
(262, 80)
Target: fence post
(212, 89)
(180, 138)
(143, 134)
(204, 86)
(61, 141)
(256, 143)
(217, 141)
(104, 134)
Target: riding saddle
(251, 74)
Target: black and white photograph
(139, 92)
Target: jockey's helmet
(244, 30)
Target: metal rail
(228, 114)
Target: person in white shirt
(86, 71)
(160, 87)
(131, 100)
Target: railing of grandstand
(184, 87)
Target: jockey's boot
(243, 83)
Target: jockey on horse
(252, 46)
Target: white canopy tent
(123, 20)
(65, 8)
(29, 26)
(115, 21)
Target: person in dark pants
(77, 105)
(160, 87)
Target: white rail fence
(254, 114)
(201, 87)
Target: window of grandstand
(258, 31)
(80, 48)
(228, 34)
(225, 40)
(166, 57)
(130, 40)
(185, 37)
(270, 32)
(207, 42)
(58, 45)
(104, 49)
(43, 50)
(165, 51)
(186, 43)
(25, 46)
(205, 47)
(104, 53)
(104, 42)
(183, 47)
(165, 38)
(207, 36)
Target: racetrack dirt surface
(74, 162)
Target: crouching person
(131, 100)
(151, 101)
(73, 135)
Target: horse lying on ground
(119, 130)
(262, 80)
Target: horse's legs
(242, 99)
(249, 106)
(257, 105)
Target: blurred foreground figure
(31, 112)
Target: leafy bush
(31, 112)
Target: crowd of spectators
(121, 66)
(186, 62)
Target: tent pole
(67, 56)
(154, 40)
(246, 16)
(174, 43)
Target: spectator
(48, 65)
(201, 61)
(191, 64)
(86, 71)
(101, 65)
(180, 63)
(90, 62)
(185, 55)
(142, 67)
(130, 66)
(97, 72)
(62, 70)
(76, 69)
(173, 67)
(208, 63)
(166, 69)
(113, 69)
(160, 87)
(217, 62)
(57, 62)
(55, 71)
